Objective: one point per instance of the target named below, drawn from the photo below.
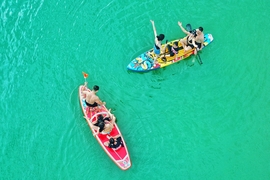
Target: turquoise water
(185, 121)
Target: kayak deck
(120, 156)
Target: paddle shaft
(199, 57)
(189, 28)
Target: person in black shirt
(114, 142)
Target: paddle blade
(85, 75)
(188, 27)
(200, 60)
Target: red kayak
(119, 156)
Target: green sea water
(186, 121)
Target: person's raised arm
(154, 28)
(183, 29)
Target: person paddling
(91, 99)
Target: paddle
(189, 29)
(85, 75)
(200, 60)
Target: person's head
(100, 118)
(199, 30)
(96, 88)
(101, 126)
(111, 140)
(160, 37)
(175, 44)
